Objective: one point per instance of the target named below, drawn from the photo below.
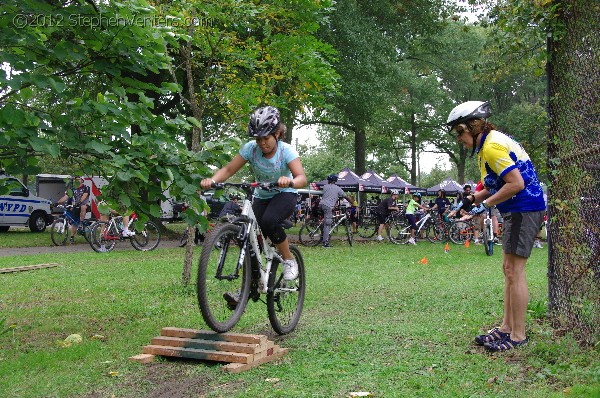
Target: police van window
(15, 188)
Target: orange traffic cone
(447, 248)
(467, 243)
(424, 261)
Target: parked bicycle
(61, 227)
(367, 224)
(311, 232)
(400, 231)
(238, 264)
(461, 231)
(105, 234)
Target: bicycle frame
(422, 222)
(253, 236)
(488, 233)
(113, 226)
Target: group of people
(509, 182)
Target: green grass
(375, 319)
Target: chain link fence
(574, 172)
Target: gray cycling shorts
(519, 231)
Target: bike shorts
(519, 231)
(381, 218)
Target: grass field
(376, 319)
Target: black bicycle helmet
(263, 121)
(332, 178)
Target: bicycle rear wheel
(59, 231)
(101, 238)
(399, 232)
(146, 239)
(222, 287)
(285, 299)
(367, 228)
(459, 232)
(310, 232)
(440, 231)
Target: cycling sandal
(492, 336)
(505, 345)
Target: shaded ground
(78, 247)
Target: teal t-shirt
(269, 170)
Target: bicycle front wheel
(488, 241)
(285, 299)
(367, 228)
(101, 238)
(399, 232)
(146, 239)
(310, 232)
(59, 231)
(223, 285)
(349, 233)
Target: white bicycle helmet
(467, 111)
(263, 121)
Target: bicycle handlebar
(247, 186)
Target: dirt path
(78, 247)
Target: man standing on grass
(384, 208)
(331, 194)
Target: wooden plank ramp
(240, 351)
(27, 268)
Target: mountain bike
(60, 228)
(238, 264)
(400, 230)
(311, 232)
(105, 234)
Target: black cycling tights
(271, 212)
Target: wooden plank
(180, 352)
(210, 335)
(211, 344)
(27, 268)
(142, 358)
(240, 367)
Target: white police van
(19, 208)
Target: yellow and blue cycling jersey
(498, 154)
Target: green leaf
(98, 146)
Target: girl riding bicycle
(272, 160)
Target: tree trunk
(413, 151)
(197, 137)
(360, 143)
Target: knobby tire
(285, 299)
(59, 232)
(218, 278)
